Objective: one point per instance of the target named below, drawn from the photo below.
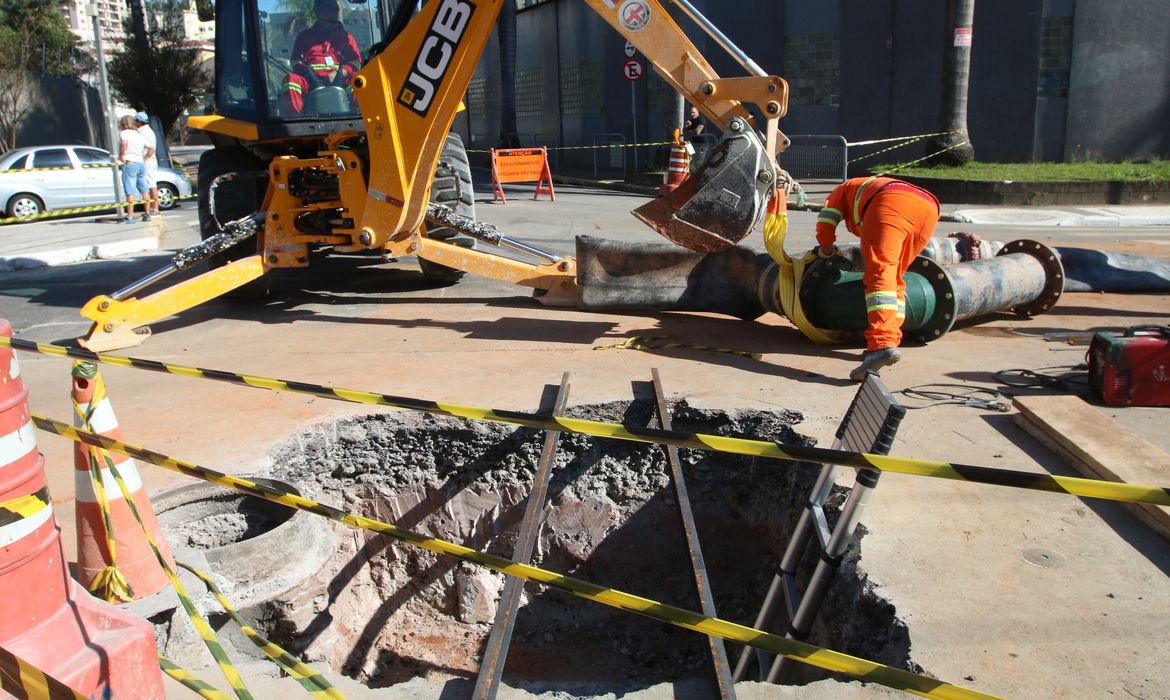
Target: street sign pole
(634, 124)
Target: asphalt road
(42, 304)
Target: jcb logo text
(434, 56)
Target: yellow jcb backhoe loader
(372, 165)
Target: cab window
(20, 163)
(281, 22)
(52, 158)
(235, 89)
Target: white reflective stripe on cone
(17, 445)
(103, 419)
(83, 484)
(14, 368)
(25, 527)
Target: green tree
(29, 29)
(162, 76)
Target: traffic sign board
(632, 69)
(630, 49)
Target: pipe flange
(1053, 273)
(946, 306)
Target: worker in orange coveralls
(323, 54)
(894, 221)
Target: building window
(581, 90)
(529, 101)
(1055, 56)
(481, 99)
(812, 68)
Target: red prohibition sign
(632, 69)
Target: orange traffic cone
(114, 559)
(678, 167)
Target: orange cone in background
(114, 559)
(678, 167)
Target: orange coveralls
(317, 52)
(894, 221)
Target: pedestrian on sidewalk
(132, 153)
(150, 161)
(894, 221)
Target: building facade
(1051, 80)
(110, 15)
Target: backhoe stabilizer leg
(721, 203)
(119, 324)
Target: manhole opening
(219, 518)
(384, 612)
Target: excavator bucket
(720, 204)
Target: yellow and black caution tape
(67, 167)
(580, 148)
(23, 680)
(713, 626)
(926, 157)
(16, 509)
(306, 675)
(75, 210)
(190, 680)
(640, 343)
(903, 141)
(1091, 488)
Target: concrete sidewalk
(48, 243)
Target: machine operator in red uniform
(894, 221)
(323, 54)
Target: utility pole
(91, 9)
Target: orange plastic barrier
(521, 165)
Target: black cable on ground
(1063, 377)
(956, 394)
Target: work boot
(873, 361)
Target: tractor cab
(267, 86)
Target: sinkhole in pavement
(383, 612)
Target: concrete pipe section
(255, 549)
(1025, 277)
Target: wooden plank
(1099, 447)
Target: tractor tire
(233, 199)
(452, 188)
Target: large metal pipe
(1085, 269)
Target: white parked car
(25, 191)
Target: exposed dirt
(384, 612)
